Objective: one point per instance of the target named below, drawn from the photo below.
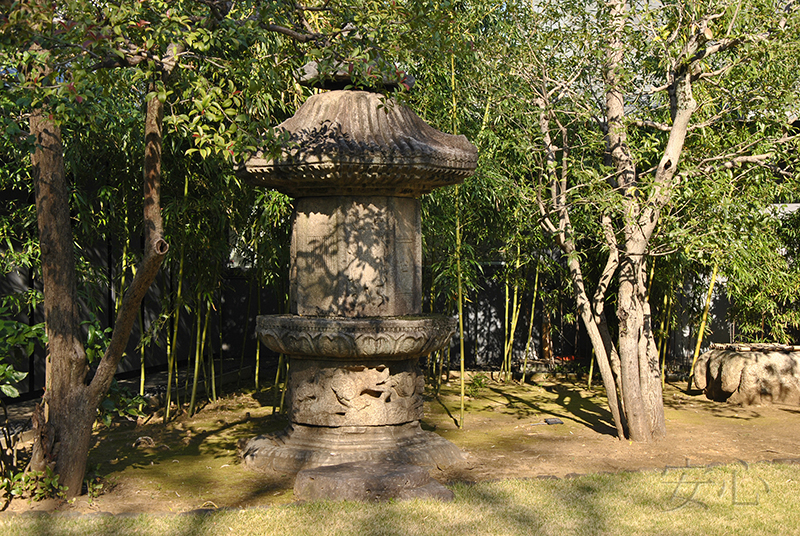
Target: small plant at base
(94, 488)
(120, 402)
(476, 384)
(38, 485)
(48, 486)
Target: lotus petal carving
(355, 338)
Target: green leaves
(120, 402)
(9, 376)
(16, 338)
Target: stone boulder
(368, 482)
(750, 375)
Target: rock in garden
(750, 375)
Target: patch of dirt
(507, 437)
(192, 464)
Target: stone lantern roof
(361, 143)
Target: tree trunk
(591, 312)
(71, 399)
(630, 321)
(62, 440)
(649, 368)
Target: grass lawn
(731, 499)
(690, 483)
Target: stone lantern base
(354, 392)
(302, 447)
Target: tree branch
(297, 36)
(145, 275)
(610, 268)
(651, 124)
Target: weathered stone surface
(365, 394)
(361, 143)
(355, 338)
(302, 447)
(368, 482)
(356, 162)
(356, 257)
(749, 377)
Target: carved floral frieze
(355, 338)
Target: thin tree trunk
(547, 344)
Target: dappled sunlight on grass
(187, 459)
(691, 501)
(192, 463)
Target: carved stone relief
(366, 394)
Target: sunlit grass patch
(731, 499)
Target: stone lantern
(356, 164)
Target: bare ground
(191, 463)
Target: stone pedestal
(368, 482)
(303, 447)
(354, 392)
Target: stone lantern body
(356, 165)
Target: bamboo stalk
(285, 385)
(258, 346)
(702, 329)
(198, 355)
(173, 345)
(454, 118)
(515, 308)
(276, 404)
(171, 364)
(141, 355)
(440, 363)
(662, 347)
(503, 370)
(460, 331)
(244, 336)
(219, 348)
(530, 324)
(211, 358)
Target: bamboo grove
(627, 151)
